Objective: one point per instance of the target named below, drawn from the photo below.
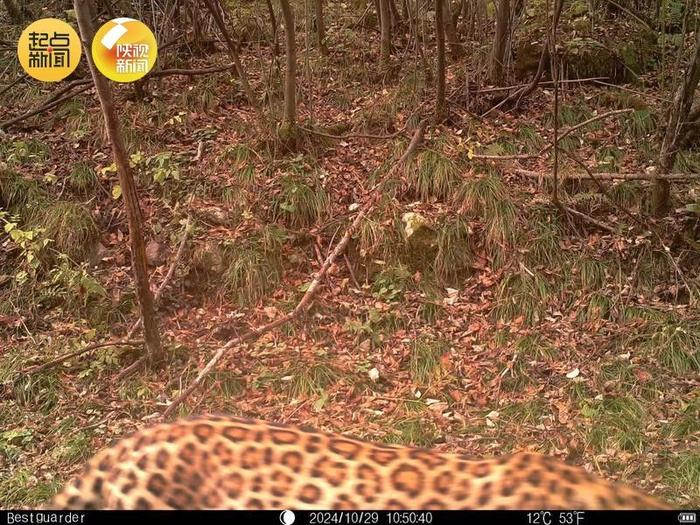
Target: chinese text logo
(49, 49)
(124, 50)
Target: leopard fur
(232, 463)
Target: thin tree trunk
(129, 193)
(290, 83)
(440, 76)
(15, 15)
(273, 21)
(500, 42)
(242, 76)
(451, 30)
(677, 114)
(320, 28)
(385, 20)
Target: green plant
(299, 203)
(431, 174)
(454, 254)
(391, 283)
(29, 242)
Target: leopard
(225, 462)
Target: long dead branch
(60, 359)
(566, 132)
(313, 287)
(613, 176)
(67, 92)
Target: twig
(69, 355)
(614, 176)
(313, 287)
(352, 272)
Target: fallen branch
(60, 96)
(545, 83)
(614, 176)
(70, 355)
(353, 135)
(65, 93)
(588, 218)
(549, 146)
(313, 287)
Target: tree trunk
(451, 30)
(320, 28)
(290, 83)
(500, 42)
(440, 75)
(385, 19)
(15, 15)
(233, 52)
(677, 114)
(129, 193)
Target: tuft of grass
(299, 203)
(414, 431)
(536, 347)
(687, 423)
(310, 380)
(678, 346)
(454, 254)
(609, 158)
(75, 449)
(25, 152)
(639, 124)
(19, 194)
(683, 473)
(617, 423)
(82, 179)
(542, 244)
(380, 239)
(522, 294)
(487, 198)
(531, 140)
(37, 391)
(526, 412)
(425, 359)
(390, 284)
(22, 488)
(71, 227)
(599, 307)
(591, 273)
(431, 174)
(250, 274)
(627, 193)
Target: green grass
(678, 347)
(300, 203)
(522, 294)
(524, 413)
(431, 174)
(683, 474)
(425, 359)
(414, 431)
(250, 274)
(308, 380)
(23, 489)
(639, 124)
(454, 253)
(82, 179)
(616, 423)
(687, 422)
(71, 227)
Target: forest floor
(518, 328)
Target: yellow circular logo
(49, 49)
(124, 49)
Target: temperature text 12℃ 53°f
(546, 517)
